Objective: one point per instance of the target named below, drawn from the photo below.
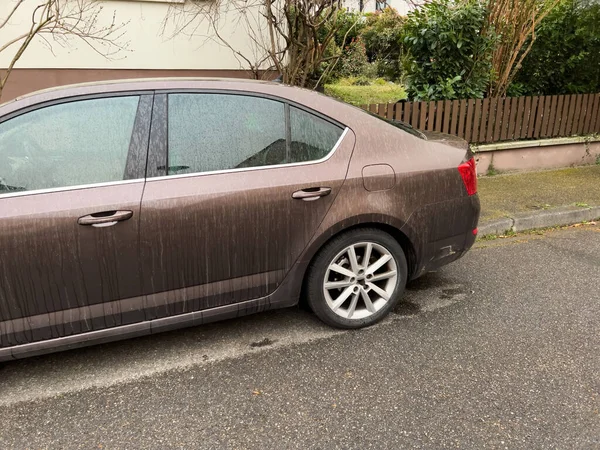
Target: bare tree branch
(292, 36)
(514, 21)
(62, 20)
(337, 57)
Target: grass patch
(504, 195)
(363, 95)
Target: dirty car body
(135, 207)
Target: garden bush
(565, 56)
(354, 61)
(382, 35)
(448, 56)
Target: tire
(341, 302)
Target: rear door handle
(105, 219)
(311, 194)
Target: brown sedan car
(134, 207)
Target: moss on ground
(504, 195)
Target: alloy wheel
(360, 280)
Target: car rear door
(71, 183)
(237, 185)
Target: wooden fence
(500, 119)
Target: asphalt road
(498, 350)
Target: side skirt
(142, 329)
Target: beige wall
(148, 48)
(514, 159)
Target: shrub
(349, 25)
(447, 55)
(354, 62)
(565, 56)
(382, 35)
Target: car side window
(210, 132)
(69, 144)
(312, 137)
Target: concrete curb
(495, 227)
(540, 219)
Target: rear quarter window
(312, 138)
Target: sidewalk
(538, 199)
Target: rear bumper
(448, 250)
(447, 232)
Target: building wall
(152, 48)
(153, 45)
(148, 47)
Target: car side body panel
(424, 204)
(241, 229)
(60, 278)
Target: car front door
(240, 185)
(71, 183)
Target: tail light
(468, 172)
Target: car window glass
(312, 137)
(69, 144)
(209, 132)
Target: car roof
(310, 98)
(336, 110)
(342, 113)
(132, 84)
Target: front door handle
(311, 194)
(105, 219)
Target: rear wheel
(357, 278)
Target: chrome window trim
(247, 169)
(250, 93)
(69, 188)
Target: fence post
(594, 127)
(439, 110)
(538, 117)
(423, 117)
(548, 115)
(415, 114)
(469, 124)
(572, 107)
(454, 120)
(491, 118)
(477, 121)
(583, 116)
(564, 114)
(447, 111)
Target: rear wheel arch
(396, 232)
